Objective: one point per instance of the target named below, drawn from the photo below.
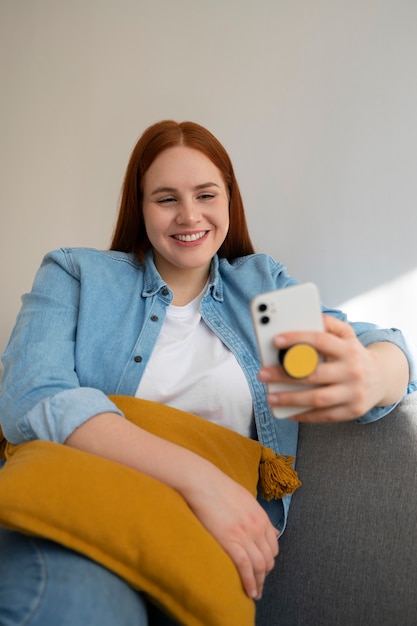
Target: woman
(164, 315)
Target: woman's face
(185, 208)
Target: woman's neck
(185, 284)
(185, 293)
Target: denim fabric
(43, 584)
(88, 327)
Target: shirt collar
(153, 282)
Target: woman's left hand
(351, 379)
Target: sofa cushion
(349, 553)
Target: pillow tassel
(277, 476)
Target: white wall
(316, 101)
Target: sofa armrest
(349, 554)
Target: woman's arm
(228, 511)
(392, 370)
(351, 380)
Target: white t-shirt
(192, 370)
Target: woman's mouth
(188, 238)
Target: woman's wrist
(392, 371)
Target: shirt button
(138, 359)
(164, 291)
(154, 318)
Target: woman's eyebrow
(173, 189)
(205, 185)
(163, 190)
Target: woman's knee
(22, 578)
(44, 584)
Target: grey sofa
(349, 553)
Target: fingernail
(264, 376)
(273, 398)
(279, 341)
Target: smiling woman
(164, 315)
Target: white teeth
(192, 237)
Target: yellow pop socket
(299, 360)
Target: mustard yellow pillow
(136, 526)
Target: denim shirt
(89, 325)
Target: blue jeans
(44, 584)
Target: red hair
(130, 233)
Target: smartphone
(294, 308)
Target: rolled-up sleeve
(40, 394)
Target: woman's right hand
(240, 525)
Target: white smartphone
(294, 308)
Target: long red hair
(130, 233)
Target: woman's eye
(166, 200)
(206, 196)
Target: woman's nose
(188, 213)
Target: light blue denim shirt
(88, 328)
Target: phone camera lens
(262, 307)
(264, 319)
